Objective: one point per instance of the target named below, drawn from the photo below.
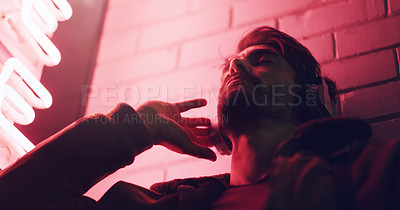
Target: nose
(236, 65)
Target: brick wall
(171, 50)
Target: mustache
(243, 76)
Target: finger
(186, 105)
(204, 141)
(196, 121)
(199, 131)
(179, 140)
(200, 136)
(199, 144)
(199, 151)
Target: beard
(242, 103)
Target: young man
(282, 158)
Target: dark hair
(306, 68)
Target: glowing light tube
(20, 91)
(16, 134)
(14, 64)
(25, 114)
(61, 9)
(50, 22)
(48, 47)
(12, 131)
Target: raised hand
(183, 135)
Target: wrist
(131, 126)
(147, 115)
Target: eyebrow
(247, 55)
(260, 52)
(253, 56)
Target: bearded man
(275, 118)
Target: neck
(254, 148)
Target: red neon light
(17, 99)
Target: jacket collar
(326, 136)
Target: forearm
(77, 157)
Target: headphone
(325, 106)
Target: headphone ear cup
(326, 106)
(221, 142)
(224, 145)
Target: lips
(240, 79)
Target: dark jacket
(57, 173)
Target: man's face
(256, 84)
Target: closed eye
(264, 61)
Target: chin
(240, 107)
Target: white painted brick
(330, 17)
(372, 102)
(321, 47)
(367, 37)
(114, 4)
(184, 28)
(245, 12)
(136, 67)
(200, 81)
(394, 6)
(387, 129)
(175, 85)
(139, 14)
(196, 5)
(114, 46)
(215, 47)
(362, 70)
(209, 48)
